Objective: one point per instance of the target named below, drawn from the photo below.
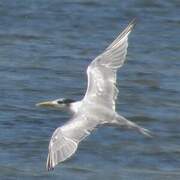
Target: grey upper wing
(102, 71)
(65, 139)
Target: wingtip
(50, 169)
(49, 165)
(133, 23)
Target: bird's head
(58, 103)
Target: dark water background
(45, 47)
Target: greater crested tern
(98, 105)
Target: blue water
(45, 48)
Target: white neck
(74, 107)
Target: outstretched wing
(102, 71)
(65, 139)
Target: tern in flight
(98, 105)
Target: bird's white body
(98, 105)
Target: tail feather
(120, 120)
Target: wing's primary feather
(65, 139)
(102, 71)
(60, 148)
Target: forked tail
(121, 121)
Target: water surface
(45, 48)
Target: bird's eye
(65, 101)
(60, 102)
